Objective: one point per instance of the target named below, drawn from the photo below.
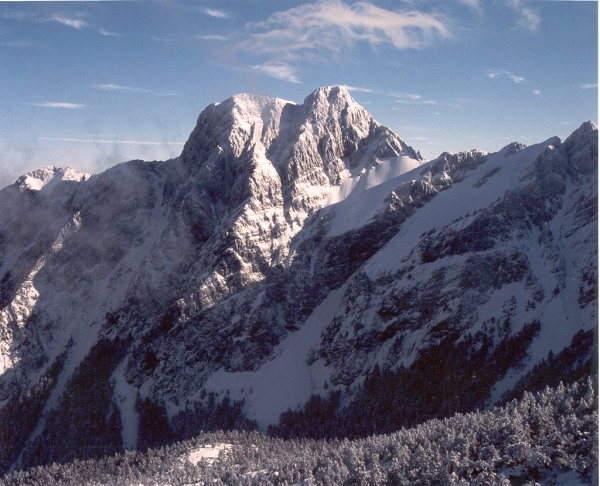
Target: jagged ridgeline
(299, 270)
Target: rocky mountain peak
(333, 105)
(332, 95)
(247, 121)
(303, 148)
(48, 176)
(584, 129)
(582, 149)
(271, 164)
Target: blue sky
(91, 84)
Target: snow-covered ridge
(47, 177)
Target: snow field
(286, 381)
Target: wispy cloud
(75, 22)
(471, 102)
(109, 33)
(212, 37)
(330, 25)
(474, 4)
(502, 73)
(213, 12)
(588, 85)
(411, 99)
(537, 92)
(529, 18)
(417, 102)
(325, 29)
(354, 88)
(278, 70)
(131, 89)
(52, 104)
(408, 96)
(19, 43)
(116, 87)
(71, 22)
(126, 142)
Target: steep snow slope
(286, 381)
(494, 245)
(408, 295)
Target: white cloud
(409, 96)
(116, 87)
(529, 18)
(278, 71)
(502, 73)
(417, 102)
(75, 23)
(51, 104)
(537, 92)
(353, 88)
(411, 99)
(314, 31)
(215, 13)
(109, 33)
(588, 85)
(131, 89)
(325, 30)
(212, 37)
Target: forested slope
(547, 438)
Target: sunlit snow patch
(49, 176)
(210, 453)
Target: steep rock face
(265, 165)
(302, 241)
(36, 218)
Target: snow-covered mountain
(288, 251)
